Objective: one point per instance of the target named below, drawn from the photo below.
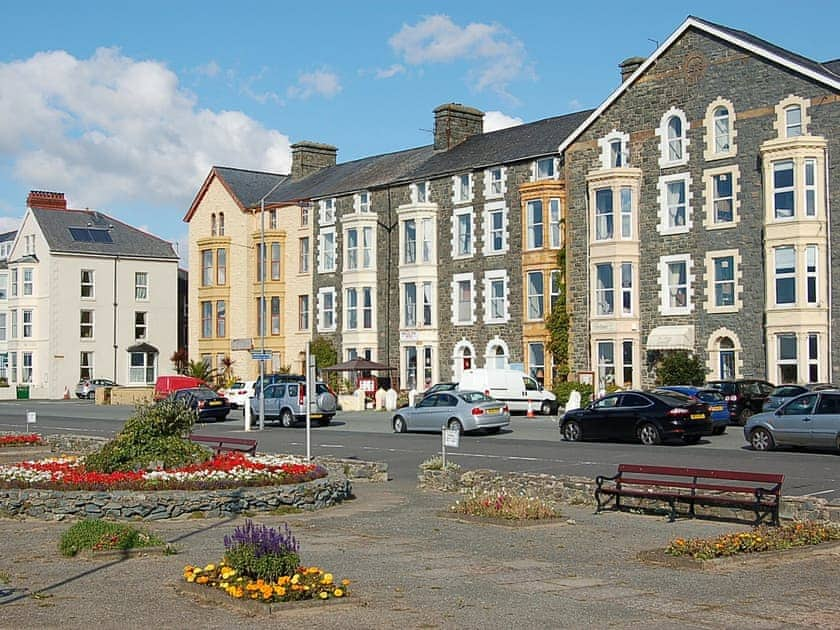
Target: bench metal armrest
(600, 479)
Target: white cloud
(387, 73)
(321, 82)
(493, 121)
(497, 57)
(8, 224)
(575, 104)
(209, 69)
(115, 130)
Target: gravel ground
(411, 568)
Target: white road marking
(811, 494)
(331, 445)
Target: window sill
(670, 231)
(722, 225)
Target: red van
(165, 385)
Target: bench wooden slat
(694, 486)
(223, 443)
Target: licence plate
(215, 403)
(698, 416)
(492, 411)
(716, 408)
(315, 415)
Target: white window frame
(426, 305)
(409, 306)
(427, 240)
(626, 285)
(141, 325)
(490, 209)
(457, 279)
(534, 296)
(491, 278)
(327, 250)
(665, 307)
(206, 315)
(28, 277)
(541, 167)
(323, 324)
(710, 178)
(710, 122)
(809, 183)
(351, 300)
(368, 308)
(303, 312)
(148, 377)
(555, 223)
(786, 214)
(326, 211)
(456, 232)
(785, 276)
(535, 367)
(3, 326)
(531, 226)
(362, 202)
(793, 125)
(141, 286)
(303, 254)
(712, 281)
(787, 361)
(207, 274)
(665, 141)
(91, 325)
(665, 225)
(812, 341)
(782, 124)
(812, 275)
(719, 284)
(27, 323)
(419, 192)
(604, 295)
(351, 250)
(495, 184)
(604, 221)
(459, 195)
(408, 246)
(26, 366)
(609, 157)
(86, 371)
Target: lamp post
(261, 266)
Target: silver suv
(285, 402)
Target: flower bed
(223, 471)
(21, 439)
(762, 538)
(505, 506)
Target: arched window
(496, 355)
(463, 358)
(221, 224)
(213, 224)
(675, 139)
(726, 349)
(721, 130)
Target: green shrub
(436, 463)
(262, 552)
(678, 367)
(153, 436)
(564, 389)
(99, 535)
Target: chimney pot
(46, 200)
(454, 123)
(629, 66)
(311, 157)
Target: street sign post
(261, 356)
(450, 438)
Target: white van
(512, 387)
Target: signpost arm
(443, 445)
(310, 384)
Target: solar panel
(90, 235)
(80, 234)
(100, 236)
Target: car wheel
(649, 434)
(761, 440)
(572, 431)
(746, 413)
(545, 409)
(91, 395)
(454, 425)
(399, 425)
(287, 419)
(718, 430)
(691, 439)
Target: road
(532, 445)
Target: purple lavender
(264, 540)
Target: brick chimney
(46, 200)
(311, 157)
(454, 123)
(629, 66)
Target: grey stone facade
(693, 72)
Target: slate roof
(127, 241)
(785, 54)
(248, 186)
(832, 66)
(8, 236)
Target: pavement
(410, 567)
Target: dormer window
(544, 169)
(793, 121)
(673, 138)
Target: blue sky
(125, 106)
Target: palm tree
(200, 369)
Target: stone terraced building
(692, 206)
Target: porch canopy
(671, 338)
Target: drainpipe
(830, 295)
(114, 375)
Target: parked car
(718, 408)
(238, 393)
(434, 389)
(745, 396)
(165, 385)
(270, 379)
(514, 388)
(203, 400)
(285, 402)
(462, 411)
(810, 419)
(651, 417)
(783, 393)
(86, 388)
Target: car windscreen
(473, 397)
(238, 385)
(726, 388)
(204, 394)
(673, 398)
(710, 395)
(788, 391)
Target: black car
(207, 403)
(745, 396)
(646, 416)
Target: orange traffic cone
(66, 393)
(530, 413)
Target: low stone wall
(129, 395)
(163, 504)
(581, 491)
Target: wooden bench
(222, 444)
(758, 492)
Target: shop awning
(671, 338)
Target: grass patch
(762, 538)
(436, 463)
(98, 535)
(505, 506)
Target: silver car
(462, 411)
(811, 419)
(286, 403)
